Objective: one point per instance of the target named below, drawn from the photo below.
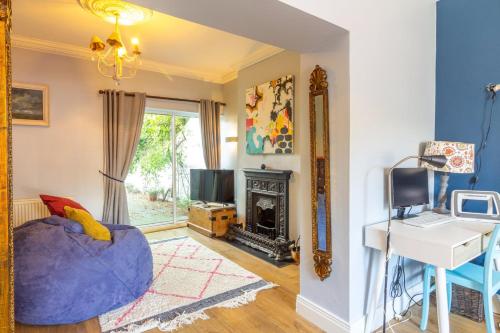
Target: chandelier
(113, 59)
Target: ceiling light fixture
(115, 61)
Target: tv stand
(211, 219)
(213, 205)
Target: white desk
(445, 246)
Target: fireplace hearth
(266, 221)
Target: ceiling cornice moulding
(251, 59)
(46, 46)
(79, 52)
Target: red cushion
(56, 204)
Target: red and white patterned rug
(188, 278)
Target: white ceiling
(170, 45)
(272, 22)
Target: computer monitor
(410, 187)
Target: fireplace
(266, 221)
(264, 214)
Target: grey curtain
(123, 117)
(210, 132)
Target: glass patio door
(158, 180)
(188, 155)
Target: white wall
(336, 287)
(64, 158)
(392, 86)
(229, 128)
(272, 68)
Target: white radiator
(28, 209)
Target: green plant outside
(154, 154)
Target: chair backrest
(492, 253)
(492, 198)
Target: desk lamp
(460, 160)
(437, 161)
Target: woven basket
(466, 302)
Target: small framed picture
(30, 104)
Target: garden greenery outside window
(158, 181)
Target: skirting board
(322, 318)
(330, 323)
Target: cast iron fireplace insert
(267, 213)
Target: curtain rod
(168, 98)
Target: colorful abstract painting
(269, 122)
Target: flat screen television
(212, 185)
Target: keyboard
(427, 220)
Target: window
(158, 180)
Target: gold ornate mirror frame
(320, 172)
(6, 246)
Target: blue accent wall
(468, 58)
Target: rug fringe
(247, 297)
(189, 318)
(167, 326)
(181, 320)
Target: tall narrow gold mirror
(320, 172)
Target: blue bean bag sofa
(62, 276)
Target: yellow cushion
(91, 227)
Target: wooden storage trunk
(211, 219)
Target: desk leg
(442, 301)
(376, 290)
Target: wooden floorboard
(273, 310)
(458, 324)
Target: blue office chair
(483, 279)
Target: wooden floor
(273, 311)
(458, 324)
